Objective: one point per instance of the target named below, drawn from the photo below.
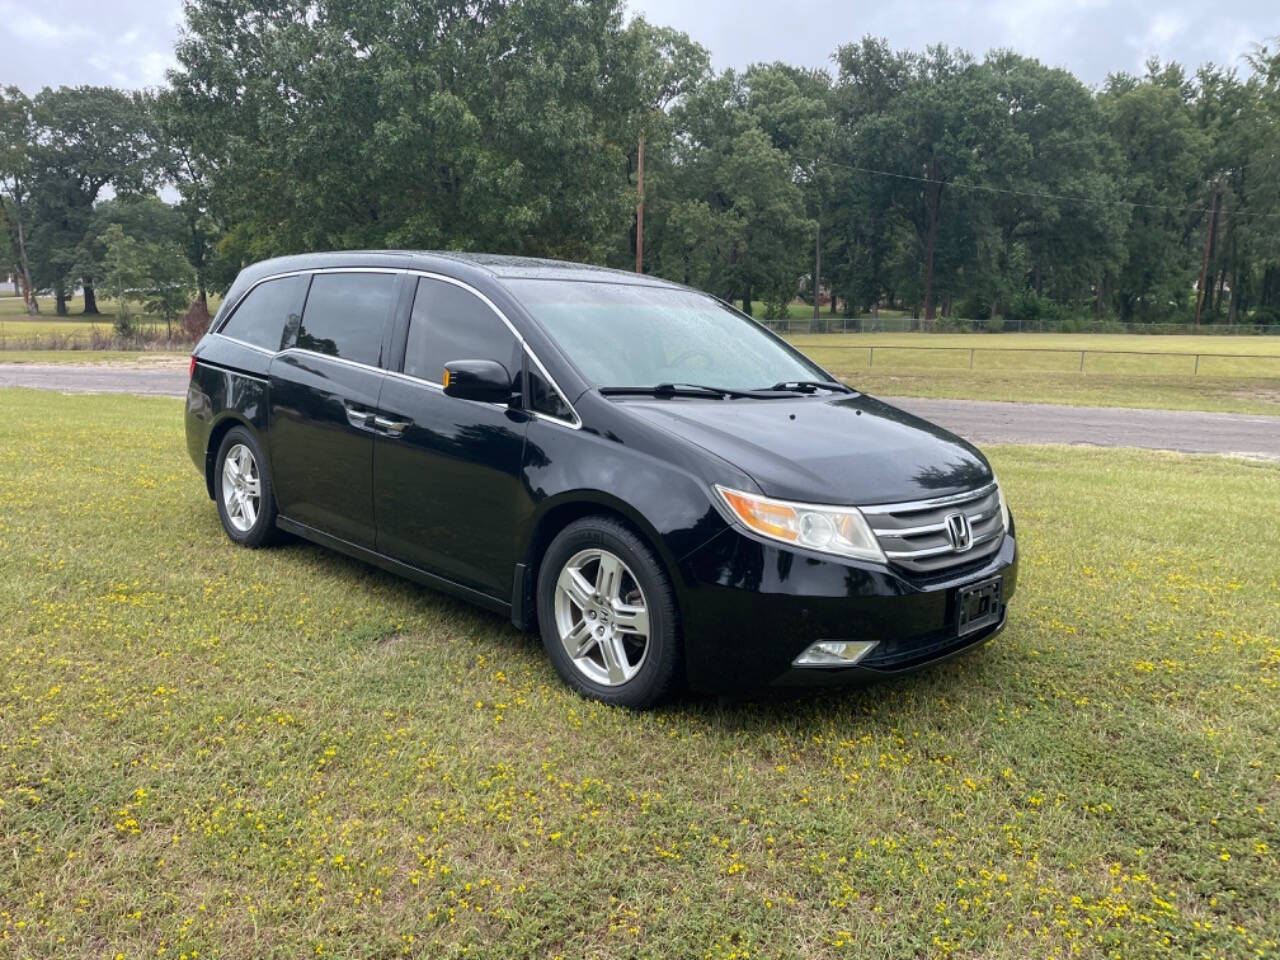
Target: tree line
(936, 182)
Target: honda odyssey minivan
(670, 494)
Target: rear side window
(262, 315)
(450, 323)
(346, 315)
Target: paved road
(979, 420)
(1186, 431)
(159, 378)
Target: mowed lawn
(1119, 369)
(207, 751)
(160, 358)
(16, 323)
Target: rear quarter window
(261, 317)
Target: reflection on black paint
(968, 474)
(535, 458)
(784, 566)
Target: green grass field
(17, 325)
(95, 357)
(206, 751)
(1042, 368)
(13, 314)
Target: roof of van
(496, 265)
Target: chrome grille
(914, 535)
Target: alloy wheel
(602, 617)
(241, 488)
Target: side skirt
(393, 566)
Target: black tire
(659, 675)
(262, 531)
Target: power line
(1040, 195)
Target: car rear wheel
(242, 489)
(607, 614)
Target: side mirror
(484, 380)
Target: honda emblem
(959, 532)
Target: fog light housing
(834, 653)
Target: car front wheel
(607, 614)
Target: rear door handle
(390, 426)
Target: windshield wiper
(689, 390)
(808, 386)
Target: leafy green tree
(146, 219)
(155, 273)
(1053, 208)
(168, 283)
(735, 218)
(793, 107)
(501, 126)
(123, 273)
(17, 133)
(1259, 186)
(1161, 162)
(190, 172)
(669, 67)
(85, 139)
(868, 239)
(924, 130)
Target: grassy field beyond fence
(1172, 372)
(47, 331)
(1227, 374)
(211, 751)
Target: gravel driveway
(979, 420)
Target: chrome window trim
(910, 506)
(329, 356)
(232, 308)
(410, 378)
(524, 344)
(215, 365)
(574, 424)
(246, 343)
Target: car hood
(838, 449)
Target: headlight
(838, 530)
(1004, 507)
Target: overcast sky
(129, 43)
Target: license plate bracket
(979, 605)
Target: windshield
(621, 334)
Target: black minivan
(671, 493)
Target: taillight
(191, 370)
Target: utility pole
(1208, 247)
(817, 265)
(640, 207)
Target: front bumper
(750, 607)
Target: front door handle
(359, 416)
(389, 426)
